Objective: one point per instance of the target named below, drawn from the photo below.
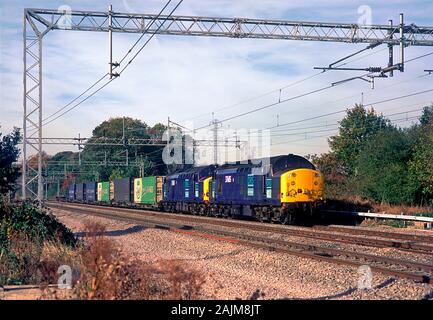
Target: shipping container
(91, 191)
(123, 190)
(103, 191)
(148, 190)
(79, 192)
(99, 191)
(111, 193)
(71, 192)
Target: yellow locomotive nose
(301, 185)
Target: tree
(157, 131)
(382, 168)
(426, 118)
(9, 154)
(421, 164)
(33, 160)
(333, 173)
(357, 127)
(146, 159)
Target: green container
(148, 190)
(104, 191)
(145, 190)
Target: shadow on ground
(114, 233)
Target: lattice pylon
(32, 104)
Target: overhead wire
(327, 135)
(344, 110)
(337, 124)
(299, 96)
(284, 87)
(329, 124)
(129, 62)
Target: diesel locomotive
(285, 189)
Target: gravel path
(237, 272)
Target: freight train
(285, 189)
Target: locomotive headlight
(292, 183)
(294, 175)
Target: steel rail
(377, 233)
(326, 236)
(417, 271)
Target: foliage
(333, 171)
(25, 232)
(9, 153)
(373, 159)
(103, 162)
(382, 168)
(356, 128)
(421, 164)
(148, 157)
(33, 160)
(36, 223)
(107, 274)
(426, 118)
(28, 262)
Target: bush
(25, 261)
(106, 274)
(33, 244)
(38, 224)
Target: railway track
(377, 233)
(417, 271)
(371, 238)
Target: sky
(193, 80)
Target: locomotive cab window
(196, 190)
(268, 188)
(250, 185)
(213, 189)
(186, 185)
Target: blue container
(71, 192)
(91, 191)
(80, 192)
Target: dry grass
(33, 262)
(401, 209)
(107, 274)
(357, 203)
